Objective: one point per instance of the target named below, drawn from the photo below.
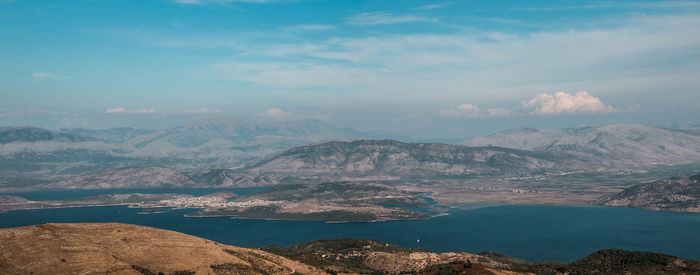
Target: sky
(412, 67)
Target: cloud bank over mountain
(559, 103)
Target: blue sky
(419, 68)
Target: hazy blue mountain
(33, 134)
(225, 142)
(626, 145)
(34, 155)
(131, 177)
(120, 134)
(31, 156)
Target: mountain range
(365, 159)
(390, 159)
(226, 153)
(621, 145)
(30, 155)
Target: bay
(533, 233)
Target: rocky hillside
(386, 159)
(132, 177)
(672, 194)
(620, 145)
(33, 134)
(112, 248)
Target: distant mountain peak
(617, 145)
(34, 134)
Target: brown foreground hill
(113, 248)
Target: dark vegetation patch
(346, 187)
(342, 255)
(618, 261)
(456, 267)
(231, 268)
(503, 258)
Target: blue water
(533, 233)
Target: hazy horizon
(420, 69)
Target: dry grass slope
(112, 248)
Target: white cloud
(122, 110)
(464, 110)
(201, 111)
(472, 111)
(542, 104)
(45, 75)
(564, 103)
(434, 6)
(34, 111)
(385, 18)
(274, 113)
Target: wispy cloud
(31, 112)
(274, 113)
(200, 111)
(464, 110)
(385, 18)
(122, 110)
(484, 60)
(560, 103)
(665, 4)
(564, 103)
(641, 54)
(619, 4)
(34, 111)
(46, 75)
(468, 110)
(434, 6)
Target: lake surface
(533, 233)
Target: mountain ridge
(619, 145)
(679, 193)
